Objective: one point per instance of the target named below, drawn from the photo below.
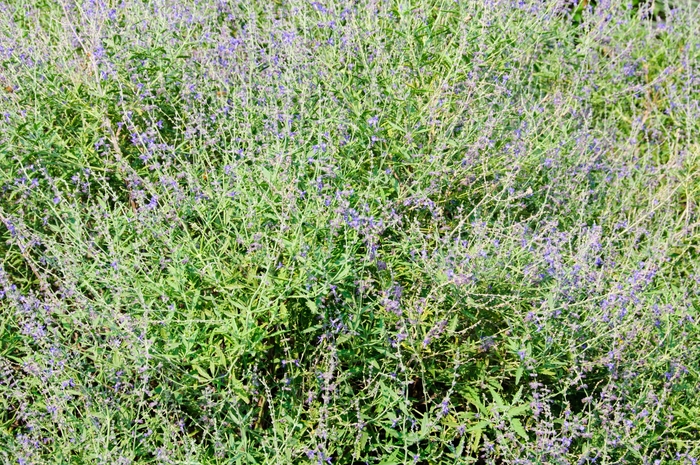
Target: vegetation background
(348, 232)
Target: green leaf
(478, 427)
(312, 306)
(393, 459)
(453, 323)
(476, 439)
(518, 428)
(519, 374)
(473, 397)
(517, 396)
(497, 398)
(519, 410)
(204, 376)
(240, 391)
(343, 273)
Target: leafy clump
(349, 232)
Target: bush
(349, 232)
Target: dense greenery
(371, 231)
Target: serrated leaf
(478, 427)
(473, 397)
(312, 306)
(518, 428)
(519, 374)
(519, 410)
(497, 397)
(453, 323)
(517, 396)
(476, 439)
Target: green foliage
(399, 232)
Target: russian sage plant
(349, 231)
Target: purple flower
(445, 406)
(487, 343)
(319, 7)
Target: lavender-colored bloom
(445, 406)
(487, 343)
